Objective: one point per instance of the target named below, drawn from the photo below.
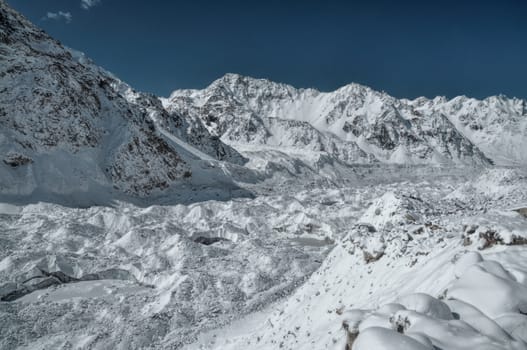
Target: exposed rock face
(185, 127)
(67, 125)
(16, 160)
(497, 124)
(356, 124)
(242, 110)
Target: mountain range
(252, 214)
(356, 124)
(68, 127)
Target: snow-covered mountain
(497, 124)
(352, 238)
(356, 124)
(68, 127)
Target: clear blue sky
(407, 48)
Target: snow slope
(497, 124)
(356, 124)
(69, 129)
(252, 215)
(301, 266)
(421, 273)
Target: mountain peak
(73, 128)
(357, 88)
(236, 81)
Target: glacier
(252, 214)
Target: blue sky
(406, 48)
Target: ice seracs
(251, 214)
(430, 288)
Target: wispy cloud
(58, 16)
(87, 4)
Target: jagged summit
(236, 80)
(69, 126)
(120, 227)
(356, 124)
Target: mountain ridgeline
(356, 124)
(69, 127)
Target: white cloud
(58, 16)
(87, 4)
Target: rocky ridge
(67, 126)
(356, 124)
